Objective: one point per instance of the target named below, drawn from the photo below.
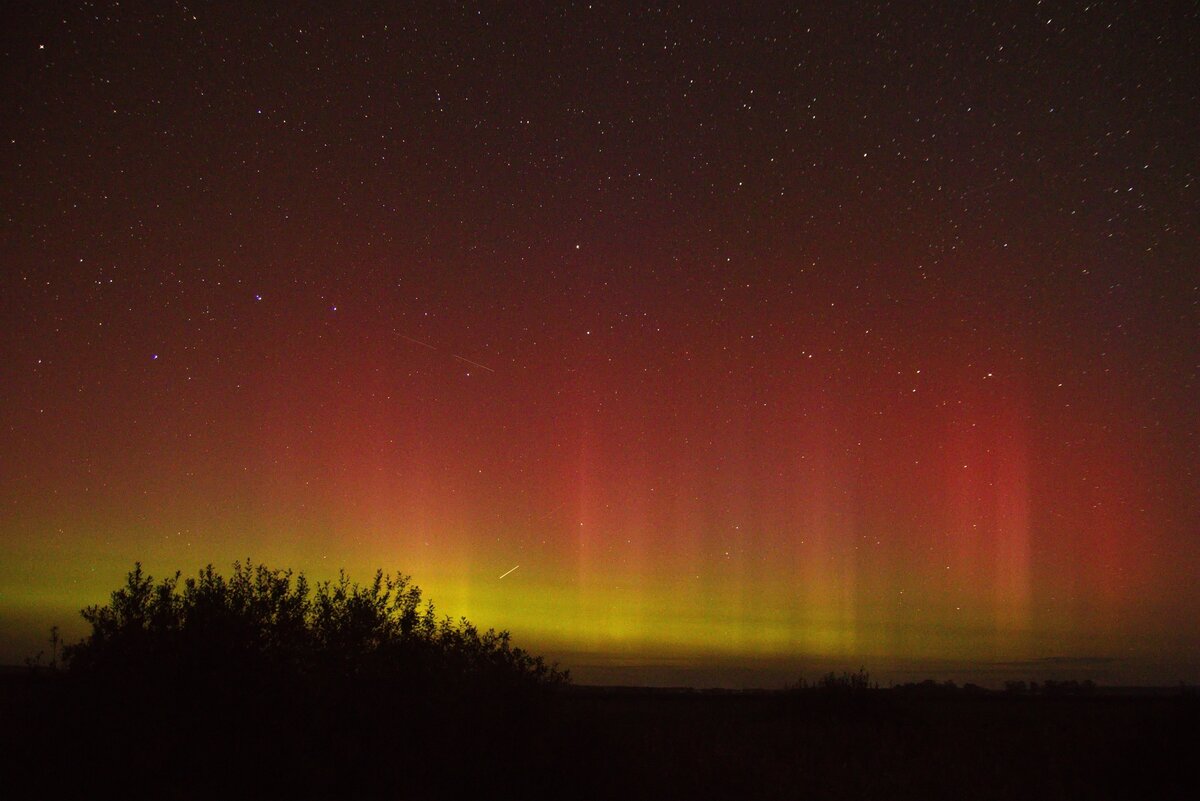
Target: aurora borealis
(852, 336)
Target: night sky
(724, 340)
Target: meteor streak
(432, 348)
(468, 361)
(508, 571)
(418, 342)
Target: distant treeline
(860, 681)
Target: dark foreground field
(63, 738)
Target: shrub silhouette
(857, 682)
(831, 682)
(262, 619)
(298, 688)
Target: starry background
(757, 337)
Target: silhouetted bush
(298, 688)
(857, 682)
(265, 620)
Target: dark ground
(64, 739)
